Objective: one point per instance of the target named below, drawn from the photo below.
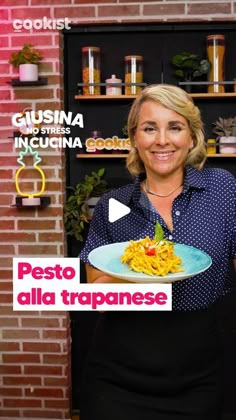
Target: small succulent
(225, 127)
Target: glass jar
(91, 70)
(211, 146)
(133, 74)
(216, 55)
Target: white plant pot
(91, 204)
(28, 72)
(227, 145)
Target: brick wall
(34, 346)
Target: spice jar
(113, 86)
(211, 146)
(133, 74)
(216, 54)
(91, 70)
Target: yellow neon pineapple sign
(29, 198)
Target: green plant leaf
(159, 233)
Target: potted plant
(27, 59)
(77, 211)
(189, 66)
(225, 128)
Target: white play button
(117, 210)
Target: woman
(164, 365)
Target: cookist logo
(41, 24)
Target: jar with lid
(216, 54)
(133, 74)
(91, 73)
(113, 86)
(211, 146)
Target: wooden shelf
(214, 95)
(101, 155)
(104, 97)
(124, 155)
(222, 155)
(125, 97)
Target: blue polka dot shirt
(204, 216)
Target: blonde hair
(176, 99)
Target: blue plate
(107, 259)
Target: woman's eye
(149, 129)
(176, 128)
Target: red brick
(54, 335)
(41, 225)
(6, 224)
(12, 107)
(37, 250)
(163, 9)
(22, 380)
(4, 14)
(17, 358)
(50, 212)
(25, 402)
(50, 381)
(33, 94)
(41, 347)
(9, 346)
(5, 120)
(5, 95)
(51, 237)
(5, 262)
(6, 27)
(119, 10)
(55, 359)
(102, 1)
(30, 13)
(8, 322)
(74, 12)
(40, 322)
(18, 236)
(46, 68)
(6, 148)
(20, 334)
(7, 249)
(47, 105)
(56, 403)
(9, 413)
(46, 414)
(209, 8)
(7, 392)
(10, 161)
(10, 370)
(43, 370)
(5, 285)
(45, 392)
(35, 38)
(6, 298)
(6, 199)
(5, 273)
(50, 2)
(13, 2)
(7, 186)
(16, 212)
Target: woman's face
(162, 138)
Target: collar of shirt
(193, 179)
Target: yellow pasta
(151, 257)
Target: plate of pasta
(149, 261)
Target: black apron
(154, 366)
